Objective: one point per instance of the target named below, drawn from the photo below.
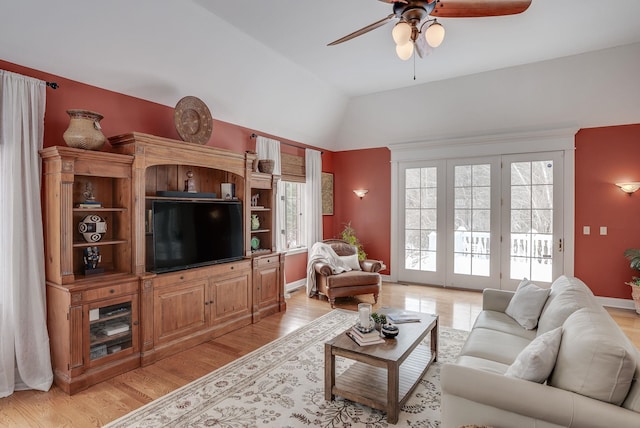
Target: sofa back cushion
(568, 294)
(595, 358)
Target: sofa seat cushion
(493, 345)
(353, 278)
(595, 358)
(537, 360)
(494, 320)
(482, 364)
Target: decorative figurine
(254, 200)
(91, 259)
(88, 192)
(189, 183)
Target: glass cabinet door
(112, 328)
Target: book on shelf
(402, 317)
(116, 328)
(371, 340)
(90, 204)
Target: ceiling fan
(419, 17)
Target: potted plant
(379, 320)
(633, 255)
(348, 235)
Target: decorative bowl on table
(390, 331)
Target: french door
(481, 222)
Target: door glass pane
(421, 218)
(472, 219)
(531, 239)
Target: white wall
(594, 89)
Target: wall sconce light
(629, 187)
(360, 192)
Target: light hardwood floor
(111, 399)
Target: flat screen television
(189, 234)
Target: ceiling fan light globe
(405, 51)
(401, 33)
(434, 34)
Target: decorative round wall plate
(92, 228)
(193, 120)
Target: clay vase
(84, 131)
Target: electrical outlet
(586, 230)
(603, 230)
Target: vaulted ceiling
(265, 64)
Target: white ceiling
(265, 64)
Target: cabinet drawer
(266, 261)
(232, 267)
(111, 291)
(170, 279)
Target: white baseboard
(292, 286)
(616, 303)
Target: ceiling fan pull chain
(414, 66)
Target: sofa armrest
(370, 265)
(323, 268)
(523, 399)
(496, 300)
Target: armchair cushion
(352, 278)
(351, 261)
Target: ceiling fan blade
(364, 30)
(477, 9)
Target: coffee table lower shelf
(366, 384)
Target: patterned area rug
(282, 385)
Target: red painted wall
(370, 216)
(605, 156)
(123, 114)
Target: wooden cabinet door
(267, 285)
(229, 298)
(179, 310)
(268, 280)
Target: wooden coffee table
(383, 376)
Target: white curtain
(313, 200)
(266, 148)
(24, 343)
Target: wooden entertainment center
(107, 321)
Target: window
(292, 230)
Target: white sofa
(594, 379)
